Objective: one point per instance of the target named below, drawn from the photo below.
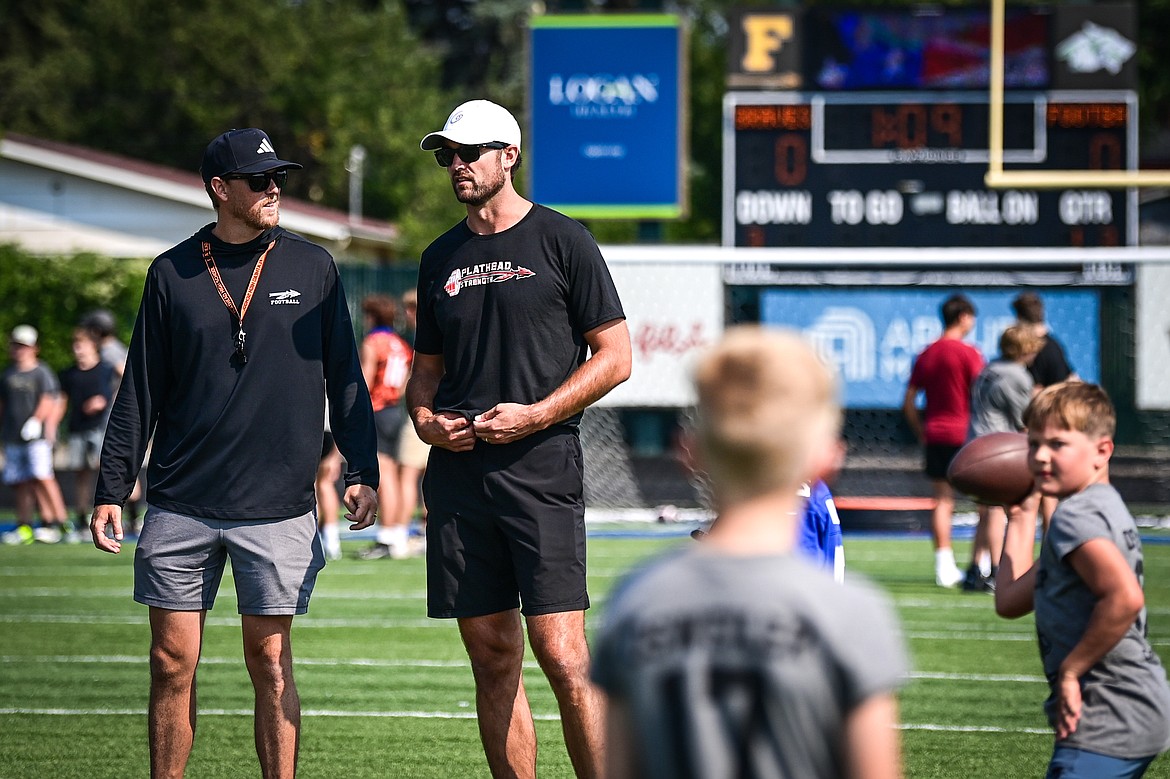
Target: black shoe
(973, 581)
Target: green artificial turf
(387, 693)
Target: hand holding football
(993, 469)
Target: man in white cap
(519, 329)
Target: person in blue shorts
(29, 413)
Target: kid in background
(1001, 392)
(88, 386)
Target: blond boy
(1001, 392)
(735, 656)
(1109, 703)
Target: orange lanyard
(227, 299)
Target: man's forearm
(420, 395)
(584, 387)
(608, 365)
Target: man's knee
(559, 644)
(267, 650)
(495, 645)
(565, 667)
(172, 664)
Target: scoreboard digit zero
(906, 169)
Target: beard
(481, 191)
(253, 214)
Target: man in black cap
(242, 332)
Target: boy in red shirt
(944, 373)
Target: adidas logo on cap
(241, 151)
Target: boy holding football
(1109, 703)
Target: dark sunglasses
(258, 182)
(468, 154)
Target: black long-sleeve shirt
(238, 440)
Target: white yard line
(463, 715)
(372, 662)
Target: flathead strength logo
(290, 297)
(483, 273)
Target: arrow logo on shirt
(287, 298)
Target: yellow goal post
(997, 177)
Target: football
(993, 469)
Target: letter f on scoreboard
(764, 36)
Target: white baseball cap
(25, 335)
(475, 122)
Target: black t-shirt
(509, 311)
(1050, 366)
(232, 440)
(81, 385)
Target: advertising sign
(674, 312)
(873, 336)
(607, 134)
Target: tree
(157, 81)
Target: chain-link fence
(1113, 319)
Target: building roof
(40, 230)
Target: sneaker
(375, 552)
(332, 554)
(21, 535)
(973, 579)
(47, 535)
(976, 581)
(948, 576)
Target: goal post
(999, 178)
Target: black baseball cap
(241, 151)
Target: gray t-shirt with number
(1125, 696)
(744, 666)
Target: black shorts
(506, 528)
(938, 458)
(388, 426)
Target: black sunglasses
(258, 182)
(469, 154)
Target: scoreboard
(842, 169)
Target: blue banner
(606, 136)
(873, 336)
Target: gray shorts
(388, 426)
(180, 559)
(83, 450)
